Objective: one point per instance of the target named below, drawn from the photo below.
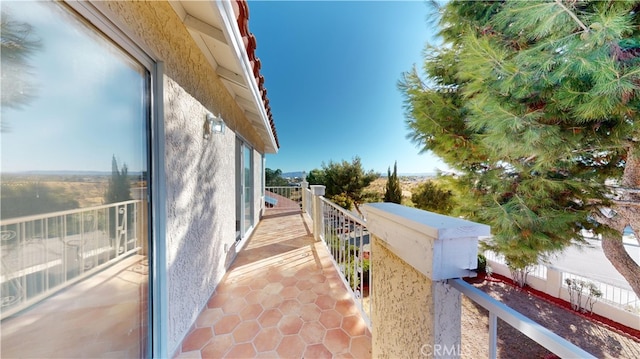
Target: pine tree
(536, 104)
(393, 192)
(430, 197)
(345, 182)
(18, 42)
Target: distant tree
(393, 192)
(273, 178)
(347, 180)
(18, 42)
(119, 189)
(316, 176)
(371, 196)
(430, 197)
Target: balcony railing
(436, 251)
(348, 241)
(283, 197)
(43, 254)
(526, 326)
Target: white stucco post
(305, 201)
(415, 314)
(317, 191)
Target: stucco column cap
(440, 247)
(317, 189)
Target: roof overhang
(220, 29)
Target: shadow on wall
(200, 209)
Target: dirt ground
(595, 338)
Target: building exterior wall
(200, 199)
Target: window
(73, 222)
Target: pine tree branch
(573, 16)
(625, 189)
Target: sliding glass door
(74, 164)
(244, 189)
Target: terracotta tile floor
(282, 298)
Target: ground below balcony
(282, 298)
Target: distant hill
(293, 174)
(419, 175)
(70, 173)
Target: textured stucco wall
(200, 177)
(411, 314)
(200, 207)
(401, 328)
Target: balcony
(301, 288)
(313, 281)
(282, 297)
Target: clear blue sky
(331, 70)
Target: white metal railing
(348, 242)
(283, 197)
(612, 294)
(620, 297)
(43, 254)
(526, 326)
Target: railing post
(414, 312)
(317, 191)
(303, 188)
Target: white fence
(618, 304)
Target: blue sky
(331, 70)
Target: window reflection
(73, 216)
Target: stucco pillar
(414, 312)
(317, 191)
(305, 201)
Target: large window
(74, 160)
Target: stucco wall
(200, 184)
(412, 315)
(200, 208)
(402, 328)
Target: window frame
(98, 16)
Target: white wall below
(553, 286)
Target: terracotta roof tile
(242, 15)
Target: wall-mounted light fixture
(213, 124)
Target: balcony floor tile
(281, 299)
